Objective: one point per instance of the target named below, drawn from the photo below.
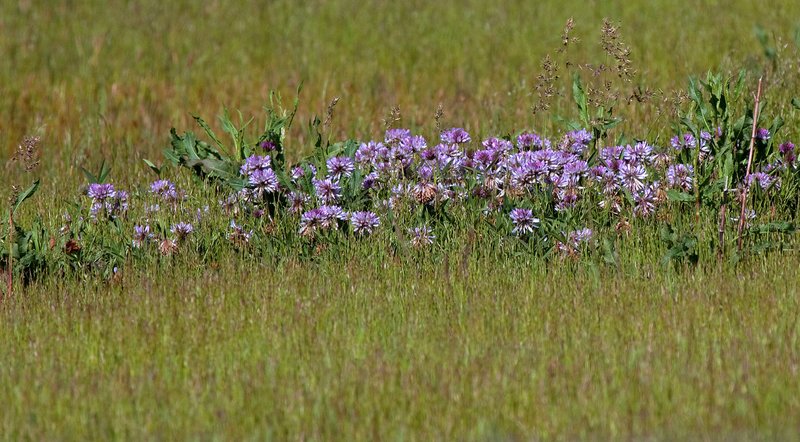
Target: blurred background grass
(109, 78)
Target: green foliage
(220, 163)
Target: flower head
(263, 180)
(181, 230)
(101, 192)
(364, 223)
(524, 221)
(141, 235)
(455, 135)
(339, 167)
(421, 236)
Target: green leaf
(105, 169)
(579, 95)
(796, 103)
(89, 175)
(25, 194)
(675, 195)
(152, 167)
(202, 123)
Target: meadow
(572, 264)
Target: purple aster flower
(141, 235)
(455, 135)
(421, 236)
(679, 176)
(369, 181)
(310, 222)
(330, 214)
(576, 141)
(414, 144)
(789, 155)
(364, 223)
(402, 154)
(267, 145)
(524, 221)
(576, 168)
(255, 162)
(100, 192)
(497, 144)
(611, 153)
(632, 176)
(165, 190)
(298, 172)
(764, 180)
(762, 134)
(530, 141)
(297, 201)
(640, 152)
(685, 141)
(645, 202)
(484, 158)
(339, 167)
(425, 172)
(574, 240)
(396, 135)
(181, 230)
(327, 190)
(238, 235)
(263, 181)
(581, 235)
(367, 153)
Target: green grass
(368, 351)
(465, 344)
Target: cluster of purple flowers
(107, 201)
(166, 191)
(261, 178)
(404, 174)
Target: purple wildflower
(645, 201)
(421, 236)
(762, 134)
(524, 221)
(632, 176)
(455, 135)
(165, 190)
(396, 135)
(263, 181)
(100, 192)
(141, 235)
(367, 153)
(181, 230)
(267, 145)
(364, 223)
(339, 167)
(238, 235)
(255, 162)
(679, 176)
(327, 190)
(528, 141)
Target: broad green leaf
(579, 95)
(25, 194)
(675, 195)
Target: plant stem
(10, 276)
(749, 162)
(721, 231)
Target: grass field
(471, 342)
